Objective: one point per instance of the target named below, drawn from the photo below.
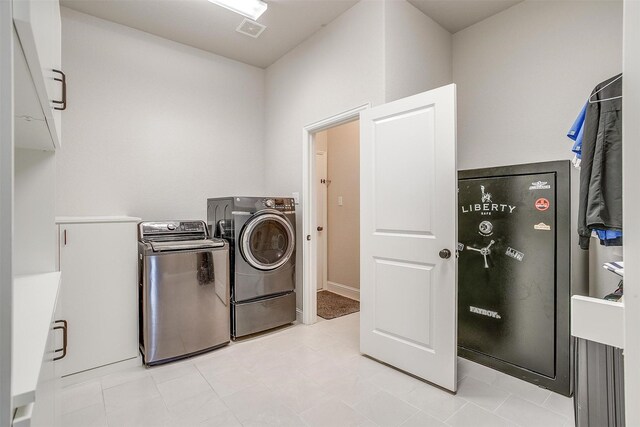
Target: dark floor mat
(332, 305)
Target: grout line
(337, 334)
(570, 418)
(104, 405)
(461, 377)
(402, 399)
(159, 393)
(492, 413)
(522, 395)
(470, 376)
(507, 419)
(359, 413)
(495, 411)
(456, 411)
(539, 405)
(227, 411)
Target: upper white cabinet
(40, 84)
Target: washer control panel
(172, 227)
(282, 204)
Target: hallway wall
(343, 222)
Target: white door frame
(630, 173)
(324, 222)
(309, 194)
(6, 208)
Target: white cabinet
(29, 52)
(31, 130)
(98, 261)
(35, 380)
(38, 51)
(46, 410)
(598, 320)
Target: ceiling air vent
(250, 28)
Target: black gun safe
(514, 264)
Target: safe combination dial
(484, 252)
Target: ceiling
(456, 15)
(206, 26)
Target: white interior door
(321, 217)
(408, 184)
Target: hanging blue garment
(577, 130)
(607, 237)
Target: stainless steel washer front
(184, 296)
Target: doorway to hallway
(337, 219)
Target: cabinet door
(38, 25)
(54, 87)
(99, 294)
(44, 409)
(31, 130)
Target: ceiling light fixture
(249, 8)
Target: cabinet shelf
(598, 320)
(38, 86)
(34, 302)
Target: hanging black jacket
(600, 203)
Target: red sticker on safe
(542, 204)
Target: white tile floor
(305, 376)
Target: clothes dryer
(261, 233)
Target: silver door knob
(320, 228)
(445, 254)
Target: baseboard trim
(92, 374)
(298, 315)
(344, 290)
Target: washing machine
(261, 233)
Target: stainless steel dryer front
(261, 233)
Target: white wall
(343, 221)
(154, 127)
(6, 210)
(417, 52)
(602, 282)
(523, 75)
(321, 140)
(348, 63)
(36, 242)
(631, 196)
(338, 68)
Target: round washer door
(267, 241)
